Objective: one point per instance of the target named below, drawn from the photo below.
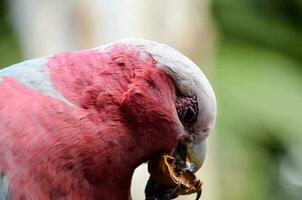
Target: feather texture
(121, 114)
(75, 125)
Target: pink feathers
(123, 113)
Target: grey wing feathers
(4, 191)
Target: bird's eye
(187, 109)
(187, 115)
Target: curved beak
(196, 153)
(192, 152)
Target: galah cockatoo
(75, 125)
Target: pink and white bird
(75, 125)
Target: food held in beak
(171, 176)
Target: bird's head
(170, 102)
(151, 94)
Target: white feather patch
(35, 75)
(4, 190)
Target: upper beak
(196, 153)
(193, 152)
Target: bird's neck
(106, 160)
(112, 165)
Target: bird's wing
(4, 191)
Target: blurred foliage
(258, 83)
(10, 52)
(273, 23)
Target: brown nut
(164, 171)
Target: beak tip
(196, 153)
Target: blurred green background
(256, 71)
(10, 51)
(258, 78)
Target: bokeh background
(251, 50)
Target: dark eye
(187, 109)
(188, 115)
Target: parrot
(75, 125)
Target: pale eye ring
(187, 109)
